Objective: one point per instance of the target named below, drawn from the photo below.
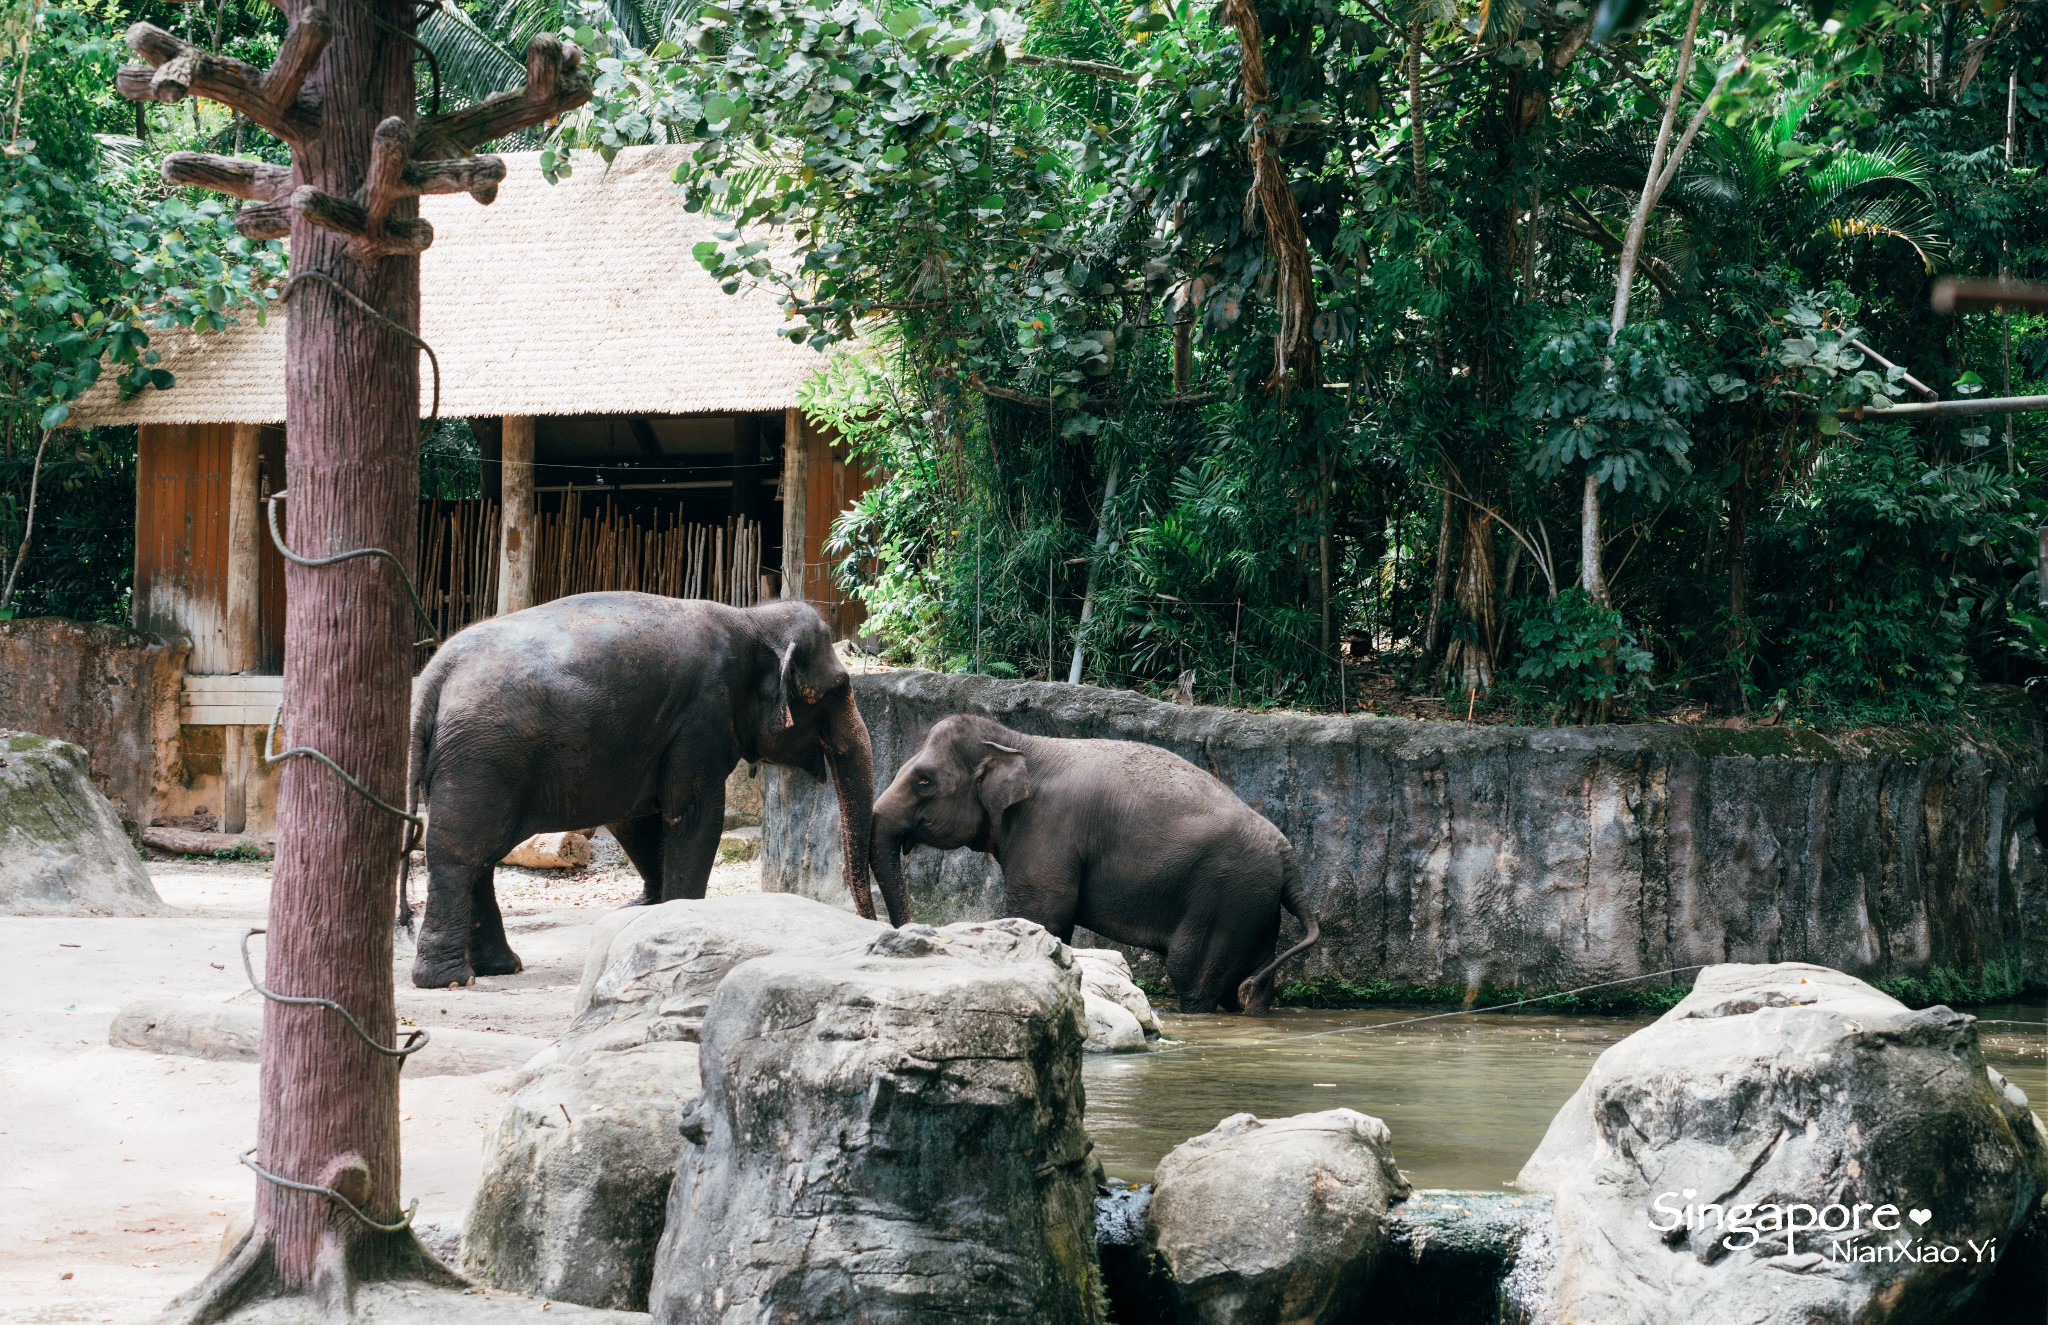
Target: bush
(1580, 655)
(1876, 574)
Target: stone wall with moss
(108, 689)
(1449, 861)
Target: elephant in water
(1129, 840)
(623, 709)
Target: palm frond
(474, 63)
(1500, 22)
(1853, 170)
(1906, 220)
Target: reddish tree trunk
(341, 93)
(352, 472)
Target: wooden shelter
(637, 429)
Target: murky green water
(1467, 1098)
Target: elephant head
(953, 791)
(808, 720)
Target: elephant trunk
(853, 777)
(888, 864)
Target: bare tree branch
(177, 69)
(555, 85)
(258, 181)
(1093, 68)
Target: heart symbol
(1690, 1192)
(1920, 1216)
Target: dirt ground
(120, 1172)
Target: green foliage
(1998, 981)
(1612, 406)
(91, 261)
(1879, 574)
(1580, 655)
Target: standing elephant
(1129, 840)
(628, 710)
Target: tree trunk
(341, 93)
(329, 1104)
(1418, 145)
(1471, 657)
(1591, 577)
(1295, 349)
(1440, 580)
(1738, 583)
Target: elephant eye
(922, 783)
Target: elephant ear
(781, 720)
(1001, 780)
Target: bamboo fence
(584, 549)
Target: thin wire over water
(1437, 1016)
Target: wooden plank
(233, 685)
(226, 715)
(181, 493)
(244, 571)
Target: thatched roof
(573, 298)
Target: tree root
(247, 1275)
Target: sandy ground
(118, 1169)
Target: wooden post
(516, 548)
(245, 570)
(234, 778)
(245, 581)
(793, 503)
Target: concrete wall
(109, 689)
(1540, 858)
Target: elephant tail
(426, 707)
(1255, 994)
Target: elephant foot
(642, 900)
(503, 962)
(435, 967)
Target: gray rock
(1260, 1222)
(1529, 858)
(577, 1172)
(1106, 974)
(1109, 1028)
(1456, 1257)
(418, 1304)
(442, 1235)
(233, 1033)
(1771, 1087)
(62, 847)
(888, 1132)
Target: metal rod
(1904, 376)
(1952, 295)
(1951, 408)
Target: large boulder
(889, 1132)
(577, 1173)
(1118, 1016)
(62, 848)
(1263, 1221)
(1786, 1145)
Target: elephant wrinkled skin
(622, 709)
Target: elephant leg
(641, 839)
(489, 952)
(441, 958)
(1201, 962)
(1043, 888)
(689, 848)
